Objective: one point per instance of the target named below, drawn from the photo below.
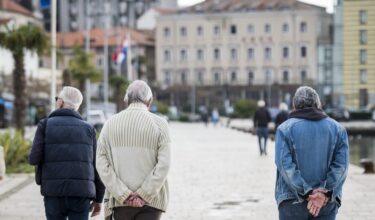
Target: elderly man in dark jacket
(65, 148)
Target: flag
(120, 55)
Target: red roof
(9, 5)
(69, 39)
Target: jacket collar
(137, 106)
(65, 112)
(312, 114)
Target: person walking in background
(65, 147)
(312, 158)
(133, 159)
(282, 115)
(204, 117)
(261, 119)
(215, 117)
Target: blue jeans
(61, 208)
(262, 133)
(290, 211)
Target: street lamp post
(53, 54)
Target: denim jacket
(310, 154)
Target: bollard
(2, 163)
(368, 165)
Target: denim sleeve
(37, 150)
(338, 168)
(99, 186)
(288, 169)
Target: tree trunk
(19, 87)
(67, 78)
(82, 89)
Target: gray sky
(325, 3)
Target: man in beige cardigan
(133, 159)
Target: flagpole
(53, 54)
(129, 57)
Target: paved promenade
(217, 174)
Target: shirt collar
(138, 106)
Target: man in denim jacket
(312, 157)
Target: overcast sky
(325, 3)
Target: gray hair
(138, 91)
(261, 103)
(306, 97)
(72, 97)
(283, 106)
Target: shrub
(16, 151)
(162, 107)
(184, 118)
(245, 108)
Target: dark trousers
(132, 213)
(262, 133)
(61, 208)
(290, 211)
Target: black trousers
(132, 213)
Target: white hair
(261, 103)
(306, 97)
(72, 97)
(283, 106)
(138, 91)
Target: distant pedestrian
(133, 159)
(204, 117)
(64, 147)
(261, 119)
(215, 116)
(312, 157)
(282, 115)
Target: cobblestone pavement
(217, 174)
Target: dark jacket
(262, 117)
(280, 118)
(65, 147)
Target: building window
(268, 76)
(303, 52)
(217, 78)
(285, 52)
(250, 53)
(233, 76)
(183, 55)
(267, 53)
(200, 78)
(285, 28)
(167, 32)
(250, 77)
(183, 32)
(303, 76)
(216, 54)
(200, 31)
(250, 29)
(216, 30)
(233, 54)
(363, 98)
(167, 56)
(303, 27)
(363, 56)
(167, 78)
(183, 78)
(267, 28)
(363, 76)
(363, 17)
(200, 55)
(285, 76)
(233, 29)
(363, 36)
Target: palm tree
(82, 68)
(18, 40)
(119, 84)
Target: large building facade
(240, 49)
(359, 53)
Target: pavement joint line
(17, 188)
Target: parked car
(96, 118)
(339, 114)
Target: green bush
(16, 151)
(184, 118)
(244, 108)
(162, 108)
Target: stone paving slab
(217, 174)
